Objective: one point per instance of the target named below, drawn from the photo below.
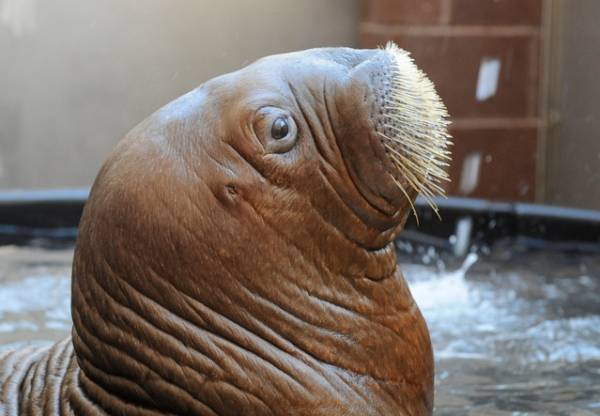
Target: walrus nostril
(413, 126)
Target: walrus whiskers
(415, 129)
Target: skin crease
(219, 271)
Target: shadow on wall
(77, 75)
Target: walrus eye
(280, 128)
(276, 129)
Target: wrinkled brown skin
(217, 273)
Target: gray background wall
(573, 158)
(76, 75)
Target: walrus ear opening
(276, 129)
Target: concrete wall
(573, 162)
(76, 75)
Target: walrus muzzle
(408, 119)
(236, 256)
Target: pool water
(515, 332)
(35, 295)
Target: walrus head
(236, 253)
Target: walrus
(236, 257)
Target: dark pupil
(280, 129)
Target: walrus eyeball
(276, 129)
(280, 129)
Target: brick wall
(484, 57)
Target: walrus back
(31, 379)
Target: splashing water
(514, 333)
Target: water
(35, 295)
(514, 332)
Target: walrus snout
(396, 129)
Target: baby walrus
(236, 253)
